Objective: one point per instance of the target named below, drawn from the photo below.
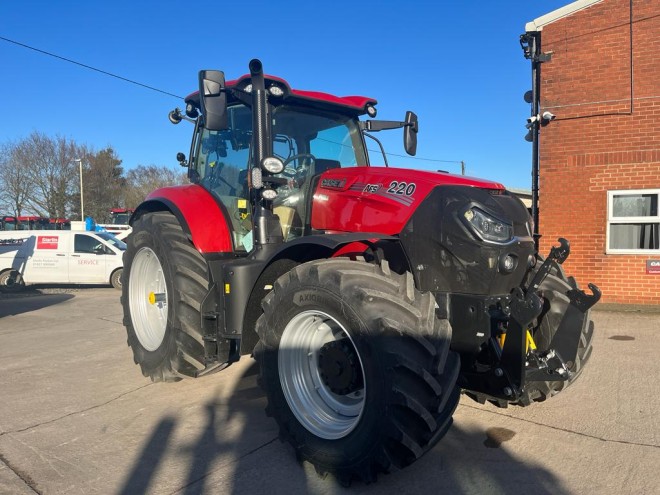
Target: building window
(633, 222)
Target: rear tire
(164, 281)
(11, 281)
(356, 367)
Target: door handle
(76, 255)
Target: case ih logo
(653, 267)
(333, 183)
(46, 242)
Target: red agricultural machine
(369, 296)
(118, 225)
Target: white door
(87, 261)
(46, 259)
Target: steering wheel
(307, 156)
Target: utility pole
(82, 212)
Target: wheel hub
(147, 295)
(321, 374)
(339, 367)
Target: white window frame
(618, 220)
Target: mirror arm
(382, 150)
(380, 125)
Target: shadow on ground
(18, 303)
(463, 462)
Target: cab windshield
(309, 142)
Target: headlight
(269, 194)
(487, 227)
(273, 165)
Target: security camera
(532, 119)
(547, 116)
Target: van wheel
(115, 279)
(11, 281)
(164, 282)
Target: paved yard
(77, 417)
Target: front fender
(201, 216)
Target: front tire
(356, 367)
(164, 281)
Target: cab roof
(352, 105)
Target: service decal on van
(47, 242)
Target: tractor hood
(379, 199)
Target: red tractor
(369, 296)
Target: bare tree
(40, 175)
(15, 182)
(51, 168)
(143, 179)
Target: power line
(121, 78)
(421, 159)
(89, 67)
(393, 154)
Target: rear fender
(204, 219)
(256, 274)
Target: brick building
(599, 159)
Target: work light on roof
(276, 91)
(191, 111)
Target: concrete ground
(77, 417)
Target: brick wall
(605, 93)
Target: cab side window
(221, 166)
(86, 244)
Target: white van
(59, 257)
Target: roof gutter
(538, 24)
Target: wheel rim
(317, 407)
(11, 280)
(147, 295)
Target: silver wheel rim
(321, 411)
(147, 295)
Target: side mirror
(213, 99)
(410, 133)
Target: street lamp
(82, 214)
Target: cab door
(88, 259)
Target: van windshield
(112, 240)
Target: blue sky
(458, 65)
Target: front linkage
(518, 362)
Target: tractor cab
(302, 133)
(306, 143)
